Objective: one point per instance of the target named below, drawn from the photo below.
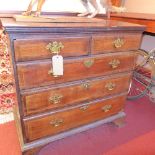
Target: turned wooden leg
(29, 9)
(86, 6)
(93, 14)
(39, 7)
(83, 14)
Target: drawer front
(36, 74)
(115, 42)
(72, 94)
(62, 121)
(26, 49)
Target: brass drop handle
(55, 99)
(107, 108)
(84, 108)
(56, 123)
(88, 63)
(110, 86)
(114, 63)
(118, 43)
(55, 47)
(86, 85)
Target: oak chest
(99, 57)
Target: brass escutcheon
(55, 99)
(56, 123)
(89, 63)
(55, 47)
(84, 108)
(86, 85)
(114, 63)
(118, 43)
(107, 108)
(110, 86)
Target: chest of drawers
(98, 62)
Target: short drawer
(32, 49)
(69, 94)
(115, 42)
(36, 74)
(60, 121)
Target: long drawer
(69, 94)
(115, 42)
(60, 121)
(36, 74)
(33, 49)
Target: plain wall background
(143, 6)
(148, 42)
(49, 5)
(140, 6)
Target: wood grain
(35, 102)
(35, 74)
(41, 127)
(105, 43)
(36, 48)
(145, 19)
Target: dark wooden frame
(138, 18)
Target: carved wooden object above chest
(98, 61)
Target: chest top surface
(69, 24)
